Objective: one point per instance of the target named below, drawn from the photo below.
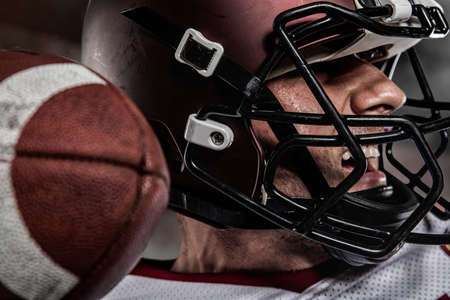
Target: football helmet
(199, 72)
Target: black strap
(214, 214)
(170, 35)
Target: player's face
(355, 88)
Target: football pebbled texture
(83, 180)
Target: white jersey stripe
(24, 268)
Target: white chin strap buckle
(198, 52)
(401, 10)
(208, 133)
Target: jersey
(415, 272)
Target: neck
(205, 249)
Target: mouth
(373, 177)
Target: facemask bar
(319, 226)
(428, 102)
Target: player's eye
(374, 55)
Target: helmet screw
(217, 138)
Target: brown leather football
(83, 180)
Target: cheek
(294, 96)
(328, 160)
(303, 103)
(323, 157)
(292, 100)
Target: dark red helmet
(205, 74)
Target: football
(83, 180)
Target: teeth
(368, 152)
(346, 155)
(371, 152)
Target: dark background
(52, 26)
(55, 26)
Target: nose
(372, 92)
